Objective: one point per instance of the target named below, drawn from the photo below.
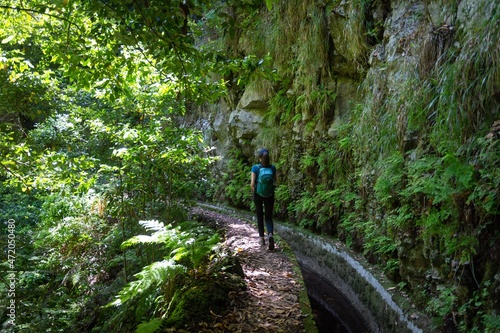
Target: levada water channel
(345, 296)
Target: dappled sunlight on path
(271, 302)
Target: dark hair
(264, 155)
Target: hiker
(263, 183)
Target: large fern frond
(153, 225)
(162, 234)
(156, 238)
(151, 276)
(187, 246)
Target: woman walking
(263, 183)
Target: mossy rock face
(195, 302)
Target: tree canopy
(106, 65)
(90, 145)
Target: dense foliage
(92, 151)
(97, 170)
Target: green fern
(149, 327)
(186, 247)
(162, 234)
(151, 276)
(233, 183)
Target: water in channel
(332, 313)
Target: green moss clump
(195, 303)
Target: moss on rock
(200, 298)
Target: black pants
(264, 209)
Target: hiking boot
(271, 242)
(262, 241)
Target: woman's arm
(253, 178)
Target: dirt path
(272, 301)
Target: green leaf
(269, 4)
(151, 326)
(8, 39)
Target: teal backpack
(265, 182)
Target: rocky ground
(272, 299)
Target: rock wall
(404, 35)
(370, 66)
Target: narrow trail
(272, 300)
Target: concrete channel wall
(358, 287)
